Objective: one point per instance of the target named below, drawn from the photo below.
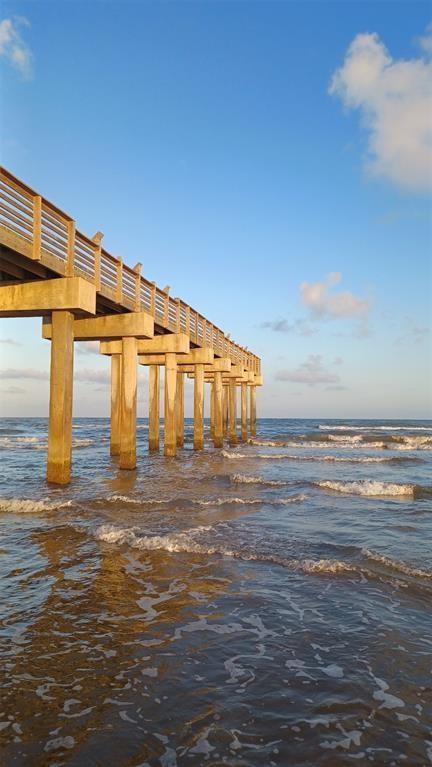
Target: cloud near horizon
(311, 372)
(323, 304)
(13, 48)
(394, 98)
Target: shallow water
(268, 604)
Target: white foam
(30, 506)
(329, 427)
(185, 542)
(325, 458)
(252, 501)
(243, 479)
(367, 487)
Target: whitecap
(367, 487)
(30, 506)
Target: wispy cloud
(9, 342)
(326, 305)
(90, 375)
(13, 48)
(87, 347)
(24, 373)
(394, 98)
(413, 332)
(13, 390)
(311, 372)
(299, 326)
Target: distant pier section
(50, 269)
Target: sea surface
(268, 604)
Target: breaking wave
(209, 501)
(367, 487)
(246, 480)
(326, 458)
(29, 506)
(188, 542)
(328, 427)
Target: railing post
(97, 239)
(178, 328)
(166, 309)
(70, 257)
(153, 299)
(119, 288)
(37, 227)
(138, 288)
(188, 320)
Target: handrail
(49, 235)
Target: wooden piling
(199, 407)
(170, 442)
(252, 411)
(217, 409)
(225, 410)
(232, 413)
(243, 396)
(180, 409)
(116, 361)
(212, 409)
(154, 387)
(128, 403)
(60, 406)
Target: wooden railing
(37, 229)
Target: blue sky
(203, 140)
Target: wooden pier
(50, 269)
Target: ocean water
(269, 604)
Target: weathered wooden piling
(60, 403)
(115, 420)
(154, 407)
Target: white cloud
(395, 100)
(310, 372)
(13, 48)
(325, 305)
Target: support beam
(243, 389)
(128, 403)
(154, 389)
(232, 413)
(60, 407)
(252, 390)
(41, 297)
(199, 408)
(116, 363)
(177, 343)
(170, 443)
(136, 324)
(180, 409)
